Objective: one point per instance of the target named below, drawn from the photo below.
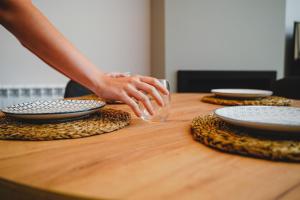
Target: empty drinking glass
(160, 113)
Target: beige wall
(114, 34)
(292, 15)
(158, 38)
(224, 35)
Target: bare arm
(36, 33)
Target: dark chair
(74, 89)
(288, 87)
(204, 81)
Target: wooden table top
(143, 161)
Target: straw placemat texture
(104, 121)
(220, 135)
(265, 101)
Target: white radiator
(10, 95)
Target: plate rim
(54, 113)
(264, 93)
(253, 122)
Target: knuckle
(121, 96)
(140, 96)
(152, 90)
(144, 98)
(134, 105)
(135, 80)
(154, 81)
(131, 80)
(127, 85)
(136, 76)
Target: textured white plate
(242, 93)
(276, 118)
(53, 109)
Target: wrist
(98, 83)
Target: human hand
(130, 89)
(118, 74)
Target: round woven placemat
(266, 101)
(104, 121)
(216, 133)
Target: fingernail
(162, 102)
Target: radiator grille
(10, 95)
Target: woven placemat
(266, 101)
(104, 121)
(216, 133)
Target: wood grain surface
(142, 161)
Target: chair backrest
(74, 89)
(287, 87)
(204, 81)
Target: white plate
(53, 109)
(242, 93)
(276, 118)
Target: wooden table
(142, 161)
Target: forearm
(37, 34)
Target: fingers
(132, 104)
(133, 92)
(130, 89)
(154, 82)
(152, 91)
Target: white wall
(224, 35)
(114, 34)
